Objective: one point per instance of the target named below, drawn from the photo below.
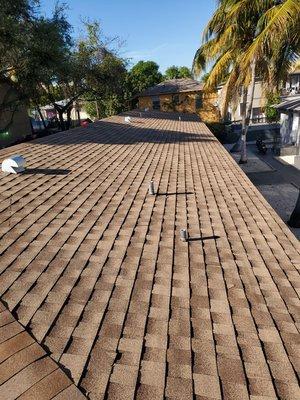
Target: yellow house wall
(187, 104)
(145, 102)
(209, 112)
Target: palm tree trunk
(237, 147)
(245, 128)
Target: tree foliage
(143, 75)
(39, 58)
(246, 38)
(272, 113)
(34, 49)
(174, 72)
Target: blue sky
(166, 31)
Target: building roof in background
(173, 86)
(93, 266)
(289, 105)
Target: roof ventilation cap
(127, 119)
(14, 164)
(183, 235)
(151, 189)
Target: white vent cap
(13, 164)
(127, 119)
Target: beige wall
(259, 101)
(14, 120)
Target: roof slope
(26, 371)
(289, 105)
(173, 86)
(95, 268)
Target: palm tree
(278, 38)
(226, 39)
(240, 42)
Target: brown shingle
(95, 268)
(173, 86)
(26, 372)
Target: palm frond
(219, 71)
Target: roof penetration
(93, 267)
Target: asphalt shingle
(94, 267)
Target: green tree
(225, 41)
(143, 75)
(32, 48)
(92, 71)
(107, 87)
(174, 72)
(234, 42)
(272, 113)
(41, 61)
(278, 38)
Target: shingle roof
(289, 105)
(173, 86)
(26, 371)
(94, 267)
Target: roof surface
(93, 266)
(26, 370)
(173, 86)
(290, 105)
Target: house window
(155, 102)
(198, 101)
(176, 99)
(257, 114)
(242, 109)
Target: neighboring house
(293, 84)
(292, 88)
(181, 95)
(290, 126)
(14, 119)
(257, 113)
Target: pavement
(279, 183)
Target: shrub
(272, 114)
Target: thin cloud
(138, 55)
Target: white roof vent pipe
(127, 119)
(151, 189)
(183, 235)
(13, 164)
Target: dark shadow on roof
(45, 171)
(173, 194)
(166, 115)
(202, 238)
(112, 132)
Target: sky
(165, 31)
